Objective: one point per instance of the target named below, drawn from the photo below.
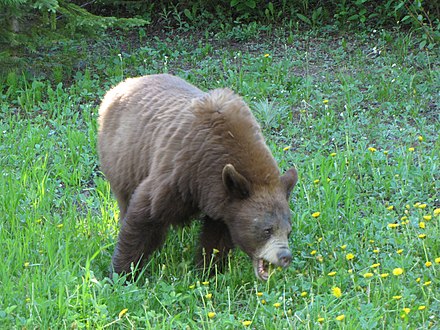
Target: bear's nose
(285, 257)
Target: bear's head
(259, 218)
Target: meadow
(357, 114)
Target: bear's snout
(284, 257)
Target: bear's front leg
(141, 232)
(215, 244)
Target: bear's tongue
(261, 269)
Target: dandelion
(215, 251)
(376, 251)
(420, 138)
(437, 212)
(303, 294)
(397, 297)
(337, 292)
(349, 256)
(427, 217)
(26, 264)
(427, 283)
(437, 260)
(422, 236)
(205, 282)
(385, 152)
(259, 294)
(384, 275)
(350, 271)
(331, 274)
(192, 286)
(287, 148)
(321, 319)
(208, 296)
(372, 149)
(320, 259)
(123, 312)
(343, 247)
(422, 308)
(407, 310)
(411, 149)
(368, 275)
(391, 207)
(325, 101)
(328, 180)
(27, 300)
(316, 181)
(422, 206)
(266, 55)
(418, 279)
(393, 225)
(60, 225)
(246, 323)
(316, 214)
(397, 271)
(422, 225)
(277, 305)
(333, 154)
(340, 317)
(403, 218)
(211, 315)
(313, 252)
(375, 265)
(407, 206)
(400, 251)
(263, 301)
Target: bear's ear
(289, 180)
(235, 183)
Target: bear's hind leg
(215, 244)
(141, 233)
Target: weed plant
(358, 116)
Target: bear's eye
(268, 231)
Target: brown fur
(164, 146)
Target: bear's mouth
(261, 268)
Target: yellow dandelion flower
(316, 181)
(375, 265)
(422, 206)
(266, 55)
(349, 256)
(60, 225)
(321, 319)
(192, 286)
(397, 271)
(420, 138)
(208, 296)
(337, 292)
(384, 275)
(372, 149)
(303, 294)
(320, 239)
(436, 212)
(316, 214)
(385, 152)
(313, 252)
(259, 294)
(325, 101)
(263, 301)
(427, 283)
(343, 247)
(331, 274)
(211, 315)
(427, 217)
(421, 308)
(407, 206)
(368, 275)
(320, 258)
(328, 179)
(418, 279)
(340, 317)
(400, 251)
(123, 312)
(27, 300)
(416, 204)
(205, 282)
(393, 225)
(403, 218)
(376, 251)
(246, 323)
(287, 148)
(407, 310)
(411, 149)
(397, 297)
(391, 207)
(277, 305)
(350, 271)
(437, 260)
(422, 236)
(333, 154)
(26, 264)
(428, 264)
(422, 225)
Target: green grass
(322, 100)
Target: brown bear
(172, 152)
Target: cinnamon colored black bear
(172, 152)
